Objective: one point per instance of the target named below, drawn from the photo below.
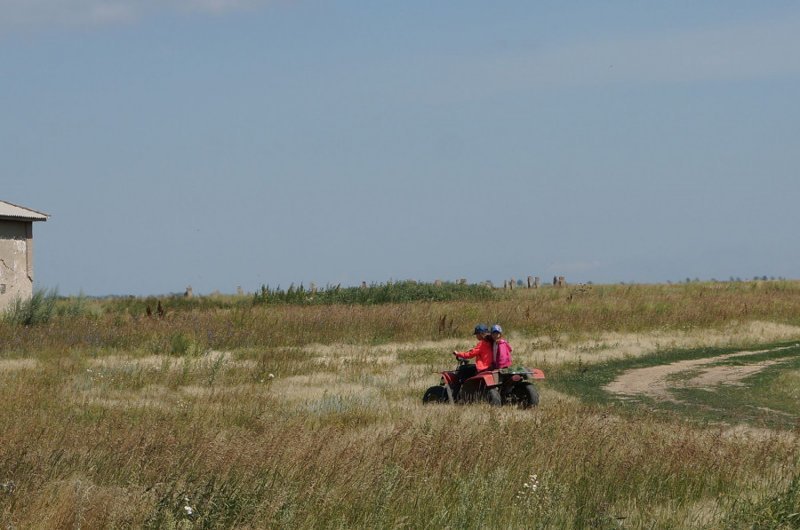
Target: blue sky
(225, 143)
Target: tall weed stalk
(38, 309)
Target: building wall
(16, 261)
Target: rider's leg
(466, 371)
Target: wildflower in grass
(7, 487)
(537, 496)
(529, 488)
(187, 506)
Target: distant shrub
(38, 309)
(181, 344)
(386, 293)
(75, 306)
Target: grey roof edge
(36, 215)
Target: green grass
(782, 390)
(762, 400)
(768, 398)
(38, 309)
(112, 419)
(779, 509)
(386, 293)
(126, 445)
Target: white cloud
(31, 14)
(108, 13)
(217, 6)
(726, 53)
(753, 50)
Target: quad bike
(497, 387)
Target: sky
(239, 143)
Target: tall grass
(388, 293)
(225, 323)
(116, 445)
(114, 419)
(38, 309)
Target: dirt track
(656, 382)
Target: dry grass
(13, 365)
(114, 420)
(614, 345)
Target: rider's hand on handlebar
(456, 354)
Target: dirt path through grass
(656, 382)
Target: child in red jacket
(482, 351)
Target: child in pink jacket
(501, 349)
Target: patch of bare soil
(656, 382)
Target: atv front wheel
(435, 394)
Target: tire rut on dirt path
(657, 382)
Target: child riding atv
(501, 349)
(490, 379)
(482, 352)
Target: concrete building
(16, 251)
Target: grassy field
(303, 411)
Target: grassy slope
(113, 419)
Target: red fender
(488, 379)
(449, 377)
(537, 374)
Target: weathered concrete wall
(16, 261)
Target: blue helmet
(497, 329)
(481, 329)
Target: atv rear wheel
(435, 394)
(524, 395)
